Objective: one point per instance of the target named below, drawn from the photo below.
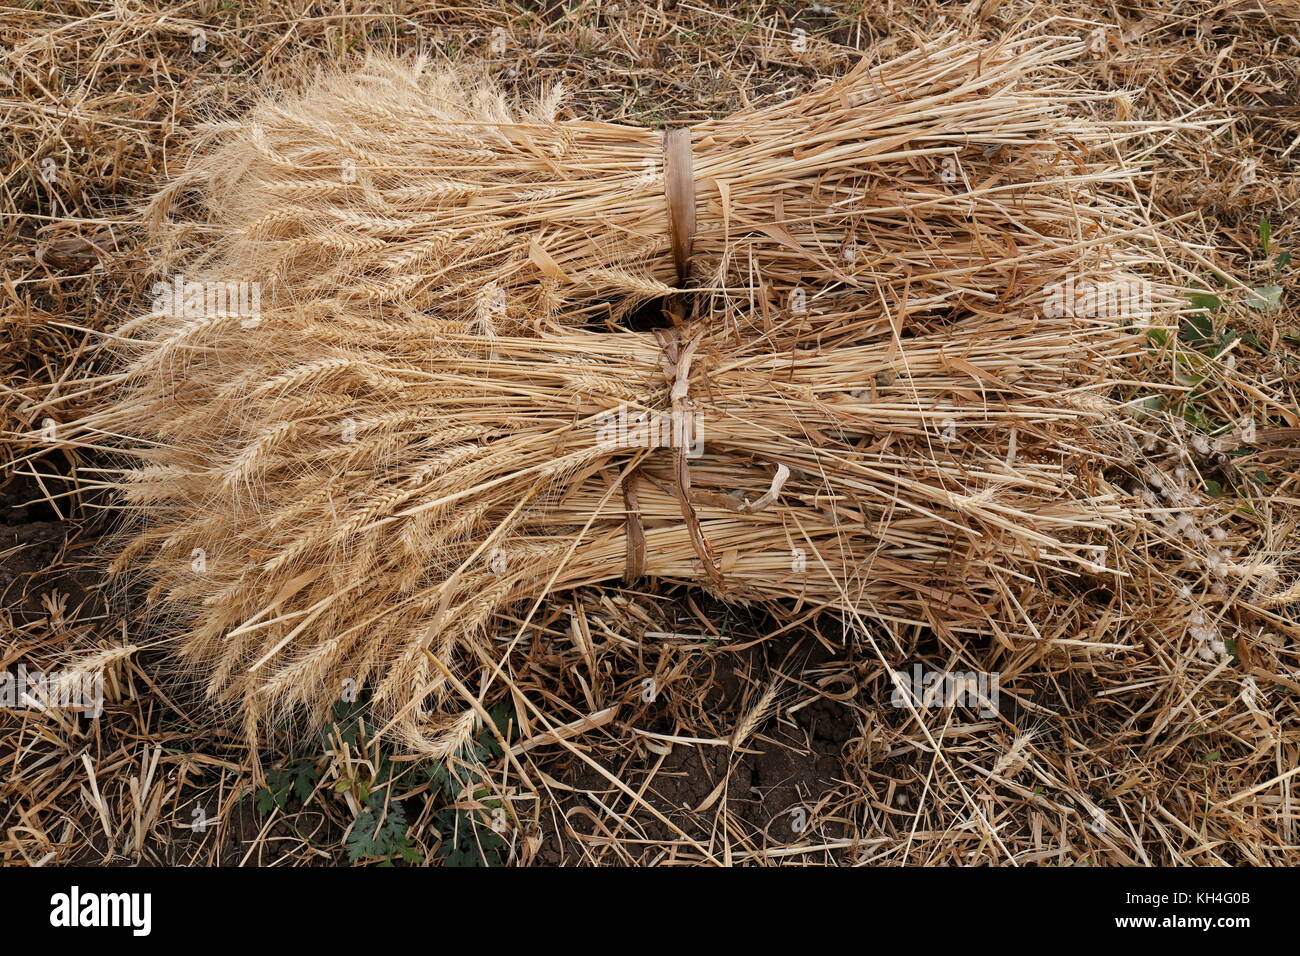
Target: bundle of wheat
(346, 487)
(320, 509)
(930, 182)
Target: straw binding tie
(679, 195)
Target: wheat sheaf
(438, 410)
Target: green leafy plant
(468, 840)
(295, 781)
(456, 792)
(470, 835)
(1268, 296)
(1197, 330)
(380, 834)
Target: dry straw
(424, 424)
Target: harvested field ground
(680, 729)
